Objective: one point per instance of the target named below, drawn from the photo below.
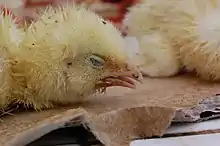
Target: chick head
(99, 60)
(87, 50)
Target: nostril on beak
(135, 75)
(138, 76)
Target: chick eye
(96, 61)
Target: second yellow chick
(176, 35)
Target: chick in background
(176, 35)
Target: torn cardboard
(121, 115)
(209, 108)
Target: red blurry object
(115, 12)
(33, 3)
(122, 6)
(42, 3)
(6, 11)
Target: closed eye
(96, 61)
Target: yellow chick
(64, 57)
(176, 35)
(10, 38)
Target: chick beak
(126, 78)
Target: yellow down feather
(61, 58)
(175, 34)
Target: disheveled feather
(10, 38)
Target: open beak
(127, 78)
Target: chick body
(62, 58)
(10, 38)
(177, 34)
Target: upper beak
(126, 78)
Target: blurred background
(113, 10)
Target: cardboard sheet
(121, 115)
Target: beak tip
(140, 77)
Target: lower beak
(127, 78)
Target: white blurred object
(16, 6)
(192, 140)
(13, 4)
(126, 21)
(132, 46)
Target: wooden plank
(195, 140)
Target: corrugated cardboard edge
(130, 125)
(44, 127)
(115, 120)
